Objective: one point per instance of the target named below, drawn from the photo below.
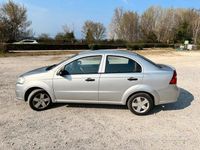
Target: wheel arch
(153, 98)
(141, 89)
(39, 85)
(28, 92)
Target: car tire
(140, 103)
(39, 100)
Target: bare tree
(125, 25)
(99, 31)
(67, 35)
(115, 31)
(44, 37)
(148, 24)
(68, 29)
(2, 32)
(195, 25)
(130, 26)
(93, 30)
(166, 24)
(14, 18)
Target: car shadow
(80, 105)
(185, 99)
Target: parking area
(84, 126)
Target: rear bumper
(169, 94)
(19, 91)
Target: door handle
(89, 80)
(132, 79)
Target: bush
(105, 46)
(140, 46)
(93, 47)
(157, 45)
(46, 47)
(3, 48)
(131, 46)
(135, 46)
(198, 47)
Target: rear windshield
(148, 60)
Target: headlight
(20, 80)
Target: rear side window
(117, 64)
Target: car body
(26, 41)
(101, 77)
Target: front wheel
(140, 103)
(39, 100)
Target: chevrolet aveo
(101, 77)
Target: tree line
(157, 24)
(154, 25)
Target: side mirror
(63, 73)
(79, 62)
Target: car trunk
(166, 67)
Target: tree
(148, 24)
(93, 31)
(89, 36)
(67, 35)
(183, 28)
(125, 25)
(13, 20)
(165, 25)
(44, 37)
(2, 32)
(195, 25)
(115, 26)
(130, 26)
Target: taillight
(174, 78)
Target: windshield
(53, 66)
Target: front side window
(117, 64)
(86, 65)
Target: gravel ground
(172, 126)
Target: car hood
(35, 71)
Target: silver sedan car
(101, 77)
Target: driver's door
(81, 81)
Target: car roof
(108, 52)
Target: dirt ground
(81, 126)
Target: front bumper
(19, 91)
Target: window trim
(121, 72)
(83, 58)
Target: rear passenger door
(120, 74)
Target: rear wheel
(39, 100)
(140, 103)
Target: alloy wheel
(140, 104)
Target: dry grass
(38, 53)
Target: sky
(49, 16)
